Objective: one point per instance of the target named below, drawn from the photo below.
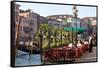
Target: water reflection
(24, 59)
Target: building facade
(29, 24)
(68, 21)
(17, 18)
(92, 21)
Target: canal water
(23, 59)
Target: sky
(54, 9)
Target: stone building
(29, 24)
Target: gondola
(25, 49)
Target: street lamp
(75, 14)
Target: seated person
(70, 45)
(86, 44)
(79, 44)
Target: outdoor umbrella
(78, 30)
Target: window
(16, 16)
(26, 29)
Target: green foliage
(55, 36)
(45, 44)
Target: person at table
(80, 49)
(86, 45)
(79, 44)
(71, 45)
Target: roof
(23, 11)
(88, 18)
(60, 15)
(29, 10)
(17, 5)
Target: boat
(27, 49)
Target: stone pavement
(88, 57)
